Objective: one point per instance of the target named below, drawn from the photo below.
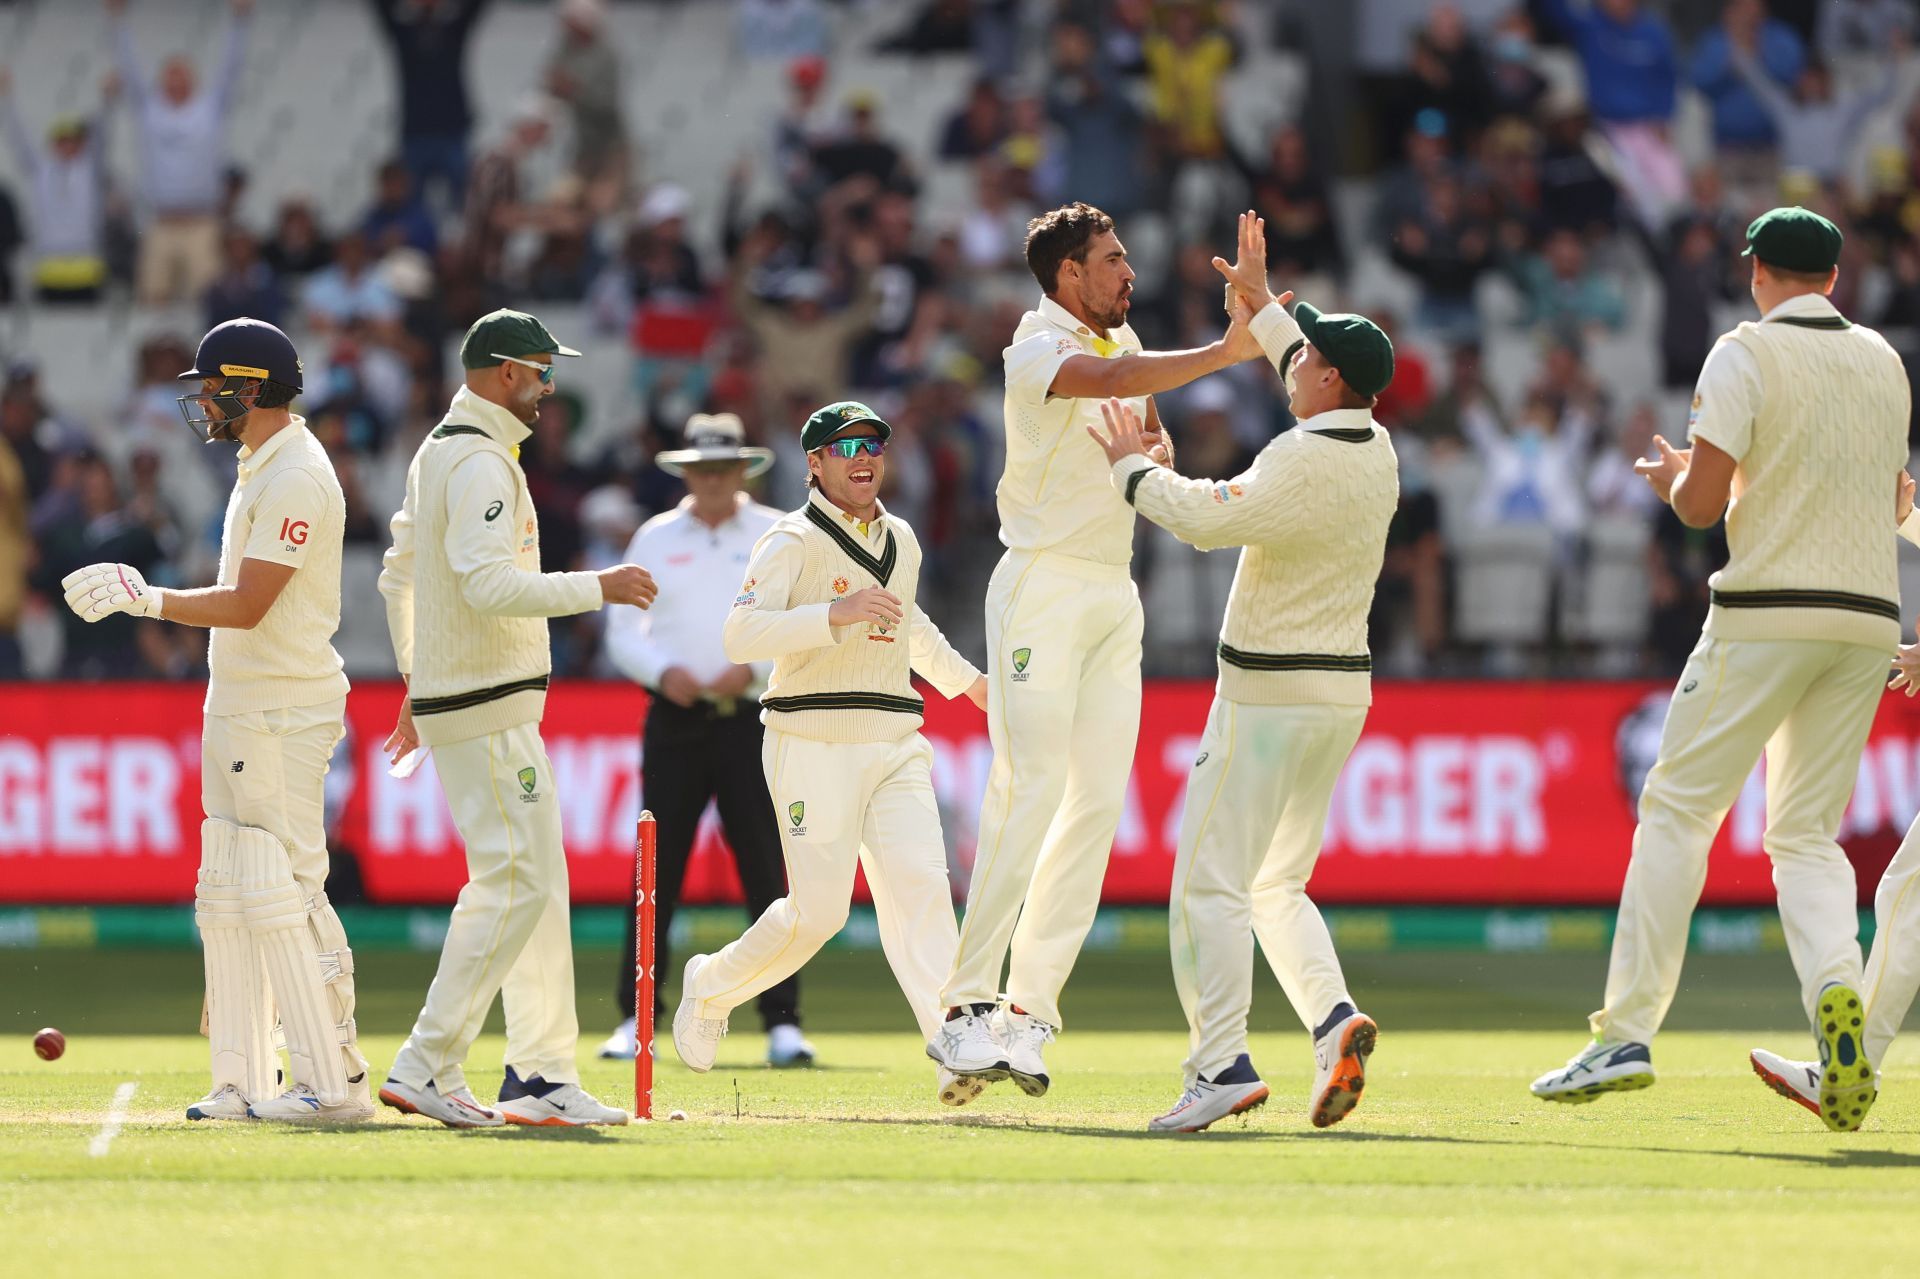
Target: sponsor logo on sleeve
(746, 598)
(294, 533)
(493, 511)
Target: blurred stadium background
(760, 205)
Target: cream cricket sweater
(1814, 409)
(286, 508)
(1312, 512)
(466, 601)
(839, 683)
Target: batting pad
(336, 971)
(239, 1010)
(276, 913)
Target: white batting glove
(100, 590)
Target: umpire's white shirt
(699, 569)
(286, 508)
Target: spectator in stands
(1575, 192)
(11, 238)
(1100, 128)
(399, 217)
(1565, 293)
(181, 134)
(993, 231)
(1861, 28)
(1818, 128)
(1295, 198)
(1632, 78)
(940, 26)
(1032, 150)
(977, 126)
(350, 290)
(584, 73)
(82, 521)
(1410, 393)
(783, 29)
(862, 150)
(805, 348)
(1187, 58)
(246, 286)
(429, 41)
(498, 203)
(1466, 391)
(1534, 473)
(1445, 247)
(1694, 277)
(297, 248)
(913, 308)
(26, 432)
(66, 182)
(16, 557)
(1445, 73)
(802, 125)
(1514, 84)
(1614, 488)
(1744, 135)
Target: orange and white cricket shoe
(1797, 1081)
(456, 1109)
(538, 1104)
(1340, 1066)
(1233, 1091)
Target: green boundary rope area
(1735, 932)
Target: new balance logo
(239, 765)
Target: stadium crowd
(1510, 204)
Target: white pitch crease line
(116, 1116)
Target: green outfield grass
(1449, 1167)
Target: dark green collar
(1345, 434)
(881, 568)
(1831, 323)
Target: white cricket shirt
(1054, 494)
(286, 508)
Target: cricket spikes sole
(1847, 1090)
(960, 1090)
(1341, 1069)
(1797, 1081)
(1603, 1066)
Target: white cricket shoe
(1025, 1036)
(1847, 1084)
(299, 1105)
(1797, 1081)
(788, 1049)
(623, 1044)
(967, 1045)
(1605, 1065)
(1340, 1068)
(568, 1106)
(959, 1090)
(1233, 1091)
(696, 1038)
(224, 1102)
(456, 1109)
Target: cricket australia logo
(796, 814)
(840, 585)
(528, 779)
(1021, 656)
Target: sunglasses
(545, 371)
(871, 445)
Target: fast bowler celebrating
(1063, 647)
(1802, 418)
(275, 709)
(829, 599)
(1312, 512)
(467, 606)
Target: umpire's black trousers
(690, 755)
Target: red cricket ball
(49, 1043)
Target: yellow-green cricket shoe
(1847, 1089)
(1605, 1065)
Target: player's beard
(1106, 316)
(528, 409)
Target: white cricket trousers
(510, 933)
(1809, 705)
(1256, 813)
(1893, 966)
(268, 770)
(841, 804)
(1063, 711)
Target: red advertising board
(1459, 792)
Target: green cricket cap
(504, 332)
(1794, 239)
(1353, 344)
(831, 420)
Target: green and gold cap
(1353, 344)
(510, 333)
(831, 420)
(1794, 239)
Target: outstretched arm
(1254, 506)
(937, 661)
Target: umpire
(702, 736)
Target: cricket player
(467, 606)
(829, 600)
(1892, 976)
(1063, 647)
(275, 709)
(1312, 512)
(1800, 418)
